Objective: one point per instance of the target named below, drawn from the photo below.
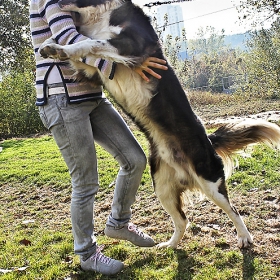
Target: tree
(210, 60)
(263, 61)
(15, 42)
(260, 10)
(208, 41)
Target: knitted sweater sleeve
(64, 32)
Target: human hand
(153, 62)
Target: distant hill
(237, 40)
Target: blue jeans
(76, 128)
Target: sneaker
(100, 263)
(131, 233)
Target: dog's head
(75, 5)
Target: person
(78, 116)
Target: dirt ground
(271, 116)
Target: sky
(221, 14)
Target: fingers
(157, 66)
(151, 62)
(157, 60)
(154, 62)
(139, 71)
(144, 77)
(153, 73)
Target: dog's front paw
(47, 51)
(53, 51)
(167, 244)
(245, 241)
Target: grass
(35, 229)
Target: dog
(182, 156)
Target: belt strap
(56, 88)
(55, 85)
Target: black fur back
(138, 37)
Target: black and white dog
(182, 156)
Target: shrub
(18, 114)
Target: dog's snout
(64, 3)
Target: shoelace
(133, 228)
(98, 256)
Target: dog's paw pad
(54, 52)
(44, 52)
(48, 51)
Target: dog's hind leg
(170, 198)
(217, 192)
(171, 202)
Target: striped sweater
(47, 20)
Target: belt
(57, 88)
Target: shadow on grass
(186, 264)
(184, 270)
(129, 272)
(248, 268)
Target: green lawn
(35, 228)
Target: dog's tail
(231, 138)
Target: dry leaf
(25, 242)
